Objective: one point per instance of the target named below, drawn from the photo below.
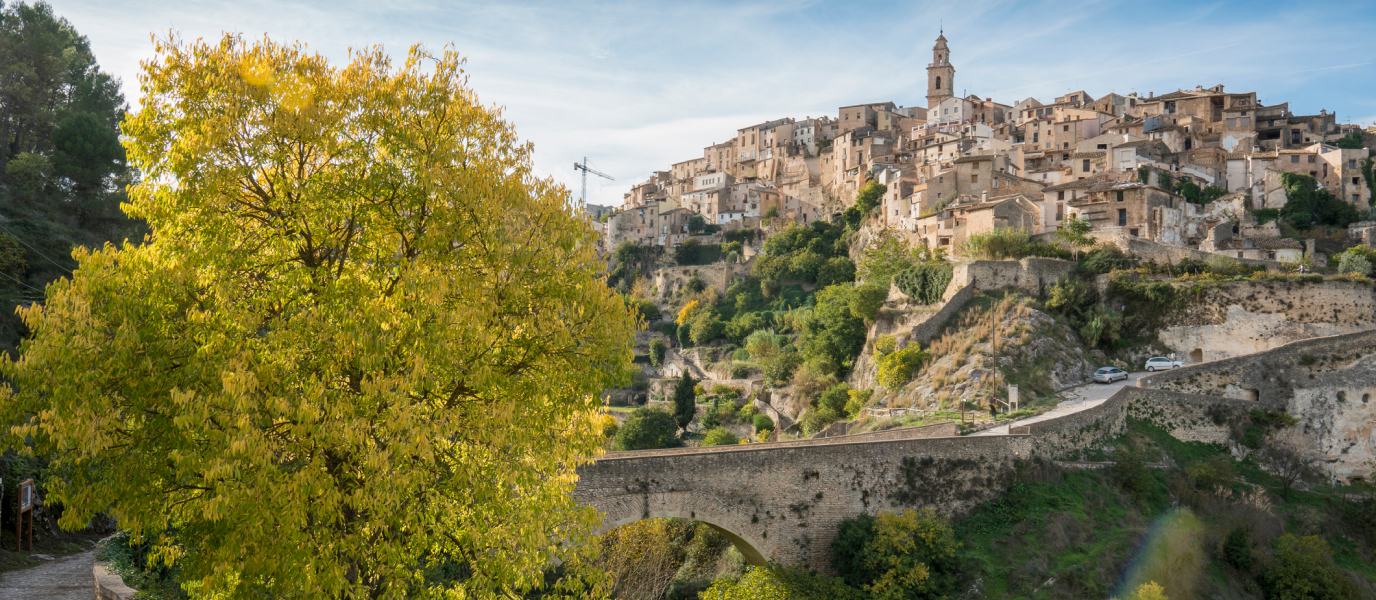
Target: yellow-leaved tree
(358, 355)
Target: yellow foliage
(686, 313)
(1150, 591)
(362, 335)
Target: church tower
(941, 76)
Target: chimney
(1151, 94)
(984, 196)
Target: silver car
(1109, 375)
(1161, 363)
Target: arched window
(938, 83)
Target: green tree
(657, 352)
(835, 330)
(366, 338)
(647, 429)
(870, 197)
(696, 223)
(898, 556)
(685, 400)
(86, 151)
(1075, 233)
(886, 256)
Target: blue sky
(639, 85)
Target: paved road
(67, 578)
(1076, 399)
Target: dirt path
(66, 578)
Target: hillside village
(1166, 168)
(926, 208)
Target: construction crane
(586, 169)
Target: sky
(637, 86)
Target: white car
(1160, 363)
(1109, 375)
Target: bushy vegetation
(1307, 205)
(720, 436)
(694, 252)
(647, 429)
(897, 368)
(925, 283)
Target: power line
(26, 244)
(12, 278)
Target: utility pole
(585, 169)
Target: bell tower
(941, 76)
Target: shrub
(647, 429)
(857, 402)
(763, 422)
(926, 283)
(657, 352)
(693, 252)
(817, 419)
(780, 366)
(1101, 326)
(1105, 259)
(1066, 295)
(696, 223)
(740, 355)
(1354, 263)
(720, 437)
(743, 236)
(897, 369)
(997, 244)
(1304, 569)
(685, 335)
(884, 344)
(647, 309)
(763, 343)
(1266, 215)
(1237, 548)
(740, 370)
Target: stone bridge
(782, 501)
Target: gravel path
(66, 578)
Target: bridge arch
(747, 549)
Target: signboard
(25, 495)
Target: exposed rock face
(1234, 319)
(1336, 407)
(1027, 340)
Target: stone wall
(1030, 275)
(1163, 253)
(1325, 383)
(1237, 318)
(669, 280)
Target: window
(1065, 128)
(1122, 217)
(1132, 232)
(1232, 122)
(1060, 211)
(938, 83)
(1311, 158)
(1085, 166)
(1352, 164)
(1065, 145)
(1065, 156)
(1356, 198)
(1294, 158)
(1245, 121)
(1119, 193)
(1060, 195)
(1103, 146)
(974, 178)
(1035, 135)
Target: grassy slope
(1081, 528)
